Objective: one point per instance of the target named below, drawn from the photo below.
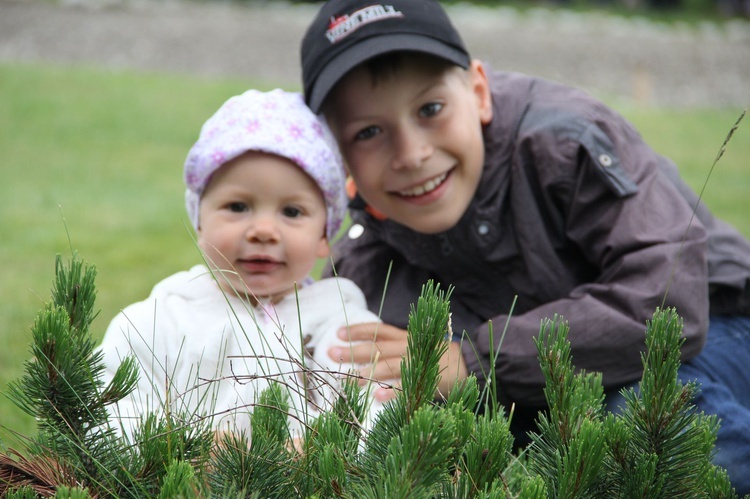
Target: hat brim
(367, 49)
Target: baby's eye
(367, 133)
(292, 212)
(237, 207)
(430, 109)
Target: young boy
(265, 194)
(532, 199)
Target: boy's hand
(375, 348)
(379, 349)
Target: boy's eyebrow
(431, 86)
(335, 117)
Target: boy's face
(262, 219)
(412, 141)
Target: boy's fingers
(385, 394)
(371, 331)
(386, 370)
(367, 352)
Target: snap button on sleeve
(605, 160)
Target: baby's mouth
(260, 264)
(426, 187)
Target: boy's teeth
(428, 186)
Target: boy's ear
(480, 85)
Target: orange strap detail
(351, 192)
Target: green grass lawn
(92, 161)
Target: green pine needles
(658, 446)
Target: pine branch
(330, 460)
(264, 463)
(662, 447)
(351, 408)
(420, 371)
(416, 461)
(570, 448)
(24, 492)
(179, 481)
(427, 328)
(486, 455)
(62, 386)
(65, 492)
(74, 290)
(159, 440)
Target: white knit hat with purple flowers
(275, 122)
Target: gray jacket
(574, 216)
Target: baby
(265, 194)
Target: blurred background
(660, 52)
(100, 101)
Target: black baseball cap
(345, 33)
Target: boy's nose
(263, 229)
(412, 149)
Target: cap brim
(367, 49)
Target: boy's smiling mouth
(425, 188)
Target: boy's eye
(367, 133)
(237, 207)
(292, 212)
(430, 109)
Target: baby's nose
(263, 229)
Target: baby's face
(412, 141)
(262, 225)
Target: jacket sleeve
(340, 303)
(633, 232)
(130, 333)
(389, 283)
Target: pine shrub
(457, 447)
